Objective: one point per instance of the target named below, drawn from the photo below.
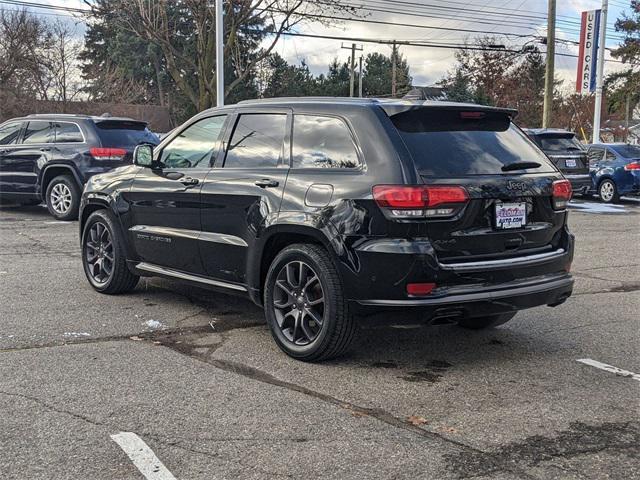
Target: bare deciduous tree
(252, 29)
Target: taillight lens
(410, 201)
(562, 192)
(632, 166)
(420, 289)
(102, 153)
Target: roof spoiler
(396, 108)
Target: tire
(103, 240)
(295, 328)
(63, 198)
(608, 191)
(478, 323)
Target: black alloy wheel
(298, 300)
(304, 303)
(103, 255)
(99, 254)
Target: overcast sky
(428, 65)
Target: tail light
(632, 166)
(101, 153)
(562, 192)
(403, 201)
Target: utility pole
(626, 117)
(394, 74)
(219, 53)
(353, 49)
(549, 72)
(600, 71)
(360, 83)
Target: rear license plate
(570, 163)
(511, 215)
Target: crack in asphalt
(157, 438)
(579, 439)
(52, 407)
(624, 287)
(194, 351)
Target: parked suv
(567, 153)
(327, 210)
(51, 157)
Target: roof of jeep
(548, 131)
(389, 105)
(75, 116)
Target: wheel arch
(277, 238)
(95, 203)
(52, 171)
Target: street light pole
(600, 72)
(549, 71)
(219, 53)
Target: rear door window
(124, 134)
(322, 142)
(9, 133)
(38, 132)
(66, 132)
(595, 155)
(257, 141)
(453, 143)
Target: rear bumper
(517, 295)
(469, 289)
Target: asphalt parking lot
(196, 377)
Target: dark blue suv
(51, 157)
(615, 170)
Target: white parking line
(142, 456)
(609, 368)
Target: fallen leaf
(416, 420)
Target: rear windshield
(559, 144)
(450, 143)
(627, 151)
(125, 134)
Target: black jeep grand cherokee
(324, 210)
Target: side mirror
(143, 155)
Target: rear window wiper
(520, 166)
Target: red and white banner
(588, 54)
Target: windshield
(558, 144)
(125, 134)
(627, 151)
(451, 143)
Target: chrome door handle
(267, 183)
(189, 181)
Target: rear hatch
(565, 151)
(116, 135)
(509, 183)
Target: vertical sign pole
(219, 53)
(549, 75)
(600, 72)
(360, 84)
(353, 68)
(393, 70)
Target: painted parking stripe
(609, 368)
(142, 456)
